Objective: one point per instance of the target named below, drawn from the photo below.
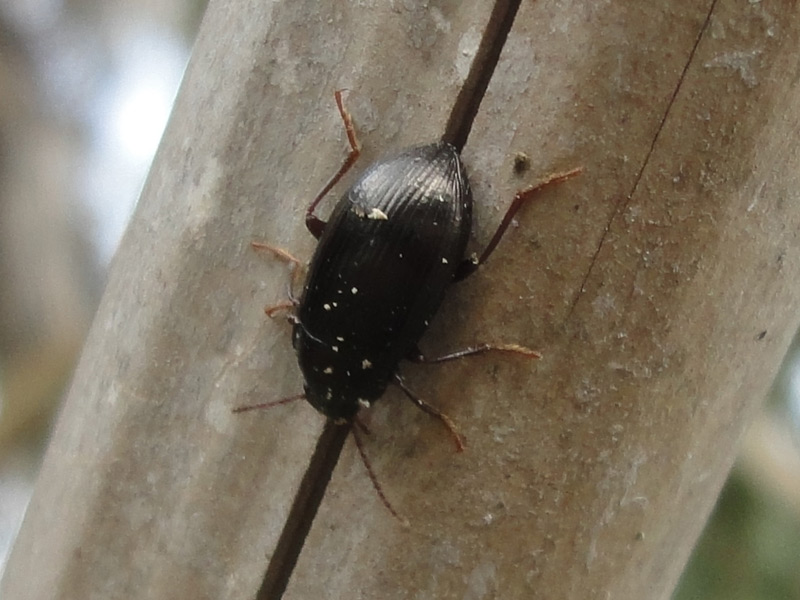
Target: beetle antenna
(373, 478)
(241, 409)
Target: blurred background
(85, 91)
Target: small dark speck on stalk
(522, 162)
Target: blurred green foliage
(750, 549)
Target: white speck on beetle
(364, 403)
(328, 370)
(354, 290)
(339, 338)
(326, 306)
(365, 364)
(444, 260)
(377, 214)
(328, 394)
(335, 348)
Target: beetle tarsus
(418, 357)
(279, 252)
(296, 268)
(273, 309)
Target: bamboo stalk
(660, 286)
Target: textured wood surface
(661, 287)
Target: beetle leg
(433, 411)
(292, 302)
(418, 357)
(372, 477)
(296, 268)
(362, 426)
(270, 311)
(470, 265)
(313, 223)
(240, 409)
(280, 252)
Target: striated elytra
(393, 244)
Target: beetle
(395, 241)
(391, 248)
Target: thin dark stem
(298, 523)
(480, 73)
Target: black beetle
(394, 243)
(390, 250)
